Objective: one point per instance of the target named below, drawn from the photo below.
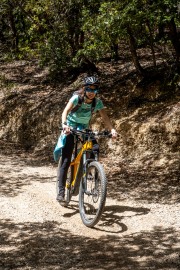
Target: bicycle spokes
(92, 193)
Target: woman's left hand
(114, 133)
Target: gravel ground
(37, 233)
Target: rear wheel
(92, 194)
(68, 193)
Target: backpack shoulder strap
(93, 105)
(80, 101)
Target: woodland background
(78, 33)
(47, 47)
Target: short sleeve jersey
(83, 115)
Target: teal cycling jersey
(83, 115)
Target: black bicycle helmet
(91, 80)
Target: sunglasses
(95, 91)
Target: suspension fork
(85, 166)
(87, 146)
(84, 171)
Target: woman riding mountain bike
(77, 115)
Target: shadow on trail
(111, 219)
(73, 205)
(16, 173)
(47, 246)
(114, 214)
(12, 186)
(139, 183)
(131, 182)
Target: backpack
(80, 94)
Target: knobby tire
(92, 202)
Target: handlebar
(90, 133)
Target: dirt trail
(37, 233)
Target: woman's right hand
(66, 129)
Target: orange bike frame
(88, 145)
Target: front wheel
(92, 194)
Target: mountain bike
(86, 177)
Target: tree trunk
(15, 40)
(132, 44)
(74, 29)
(151, 43)
(114, 49)
(174, 38)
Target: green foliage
(102, 30)
(63, 33)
